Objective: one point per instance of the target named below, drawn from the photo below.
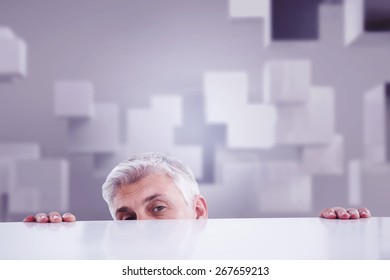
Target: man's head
(153, 186)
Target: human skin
(153, 197)
(157, 197)
(345, 214)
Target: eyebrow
(125, 209)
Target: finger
(55, 217)
(29, 219)
(41, 218)
(68, 217)
(328, 213)
(353, 213)
(342, 213)
(364, 213)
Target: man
(157, 186)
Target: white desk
(297, 238)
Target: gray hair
(139, 166)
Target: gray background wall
(132, 51)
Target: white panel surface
(73, 99)
(219, 239)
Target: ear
(200, 207)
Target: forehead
(152, 184)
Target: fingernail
(364, 212)
(55, 216)
(331, 214)
(66, 215)
(42, 217)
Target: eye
(131, 217)
(158, 208)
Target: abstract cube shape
(376, 116)
(353, 19)
(10, 153)
(287, 81)
(23, 201)
(224, 91)
(367, 183)
(73, 99)
(366, 21)
(238, 179)
(309, 123)
(168, 106)
(104, 163)
(5, 174)
(46, 180)
(192, 156)
(249, 8)
(99, 134)
(226, 102)
(13, 55)
(355, 182)
(14, 151)
(324, 159)
(158, 135)
(252, 127)
(284, 187)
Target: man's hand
(53, 217)
(345, 214)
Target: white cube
(249, 8)
(309, 123)
(252, 126)
(5, 176)
(376, 125)
(284, 187)
(99, 134)
(324, 159)
(26, 201)
(13, 55)
(73, 99)
(48, 179)
(353, 20)
(355, 182)
(224, 92)
(158, 135)
(13, 151)
(287, 81)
